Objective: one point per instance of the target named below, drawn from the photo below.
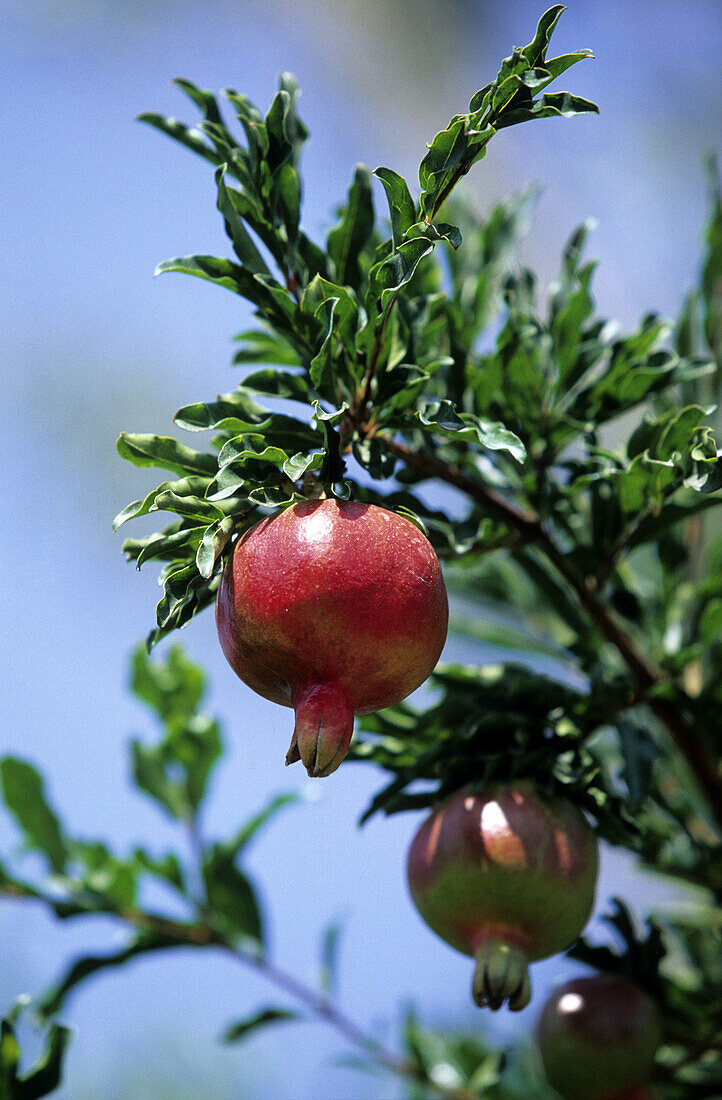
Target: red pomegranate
(335, 609)
(506, 875)
(598, 1037)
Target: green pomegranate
(598, 1037)
(335, 609)
(506, 875)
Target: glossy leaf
(443, 418)
(166, 453)
(347, 241)
(402, 208)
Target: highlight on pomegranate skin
(335, 609)
(598, 1037)
(506, 875)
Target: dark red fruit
(334, 609)
(598, 1037)
(506, 875)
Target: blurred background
(91, 345)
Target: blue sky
(92, 345)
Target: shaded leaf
(231, 897)
(346, 242)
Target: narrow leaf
(24, 794)
(235, 1033)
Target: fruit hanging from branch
(335, 609)
(598, 1037)
(506, 875)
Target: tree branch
(202, 933)
(645, 673)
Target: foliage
(565, 472)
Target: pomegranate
(598, 1037)
(335, 609)
(639, 1093)
(506, 875)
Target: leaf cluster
(677, 961)
(359, 333)
(210, 899)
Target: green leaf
(88, 965)
(175, 610)
(446, 153)
(373, 456)
(203, 99)
(240, 1030)
(191, 138)
(231, 898)
(105, 875)
(44, 1076)
(24, 794)
(289, 200)
(173, 688)
(175, 771)
(387, 277)
(535, 52)
(212, 545)
(191, 487)
(334, 465)
(252, 121)
(551, 105)
(188, 506)
(168, 868)
(298, 464)
(337, 316)
(273, 301)
(243, 245)
(639, 752)
(165, 545)
(329, 958)
(442, 417)
(166, 453)
(250, 829)
(264, 347)
(213, 268)
(402, 207)
(250, 446)
(278, 383)
(347, 241)
(237, 414)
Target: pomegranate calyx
(324, 728)
(501, 975)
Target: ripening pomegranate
(335, 609)
(640, 1093)
(507, 875)
(598, 1037)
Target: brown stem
(646, 674)
(527, 523)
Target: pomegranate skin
(335, 609)
(506, 875)
(598, 1037)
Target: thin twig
(204, 934)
